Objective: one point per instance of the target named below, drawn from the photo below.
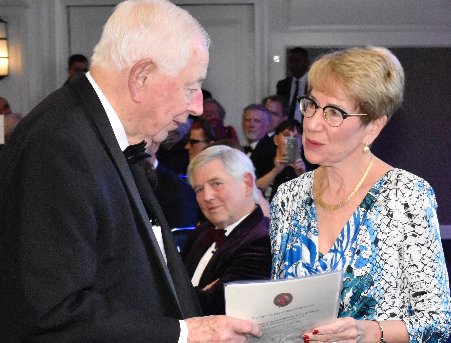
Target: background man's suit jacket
(77, 258)
(176, 198)
(283, 88)
(244, 255)
(263, 156)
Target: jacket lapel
(237, 235)
(186, 297)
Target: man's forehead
(201, 179)
(218, 170)
(254, 113)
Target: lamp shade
(4, 56)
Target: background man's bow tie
(247, 149)
(135, 153)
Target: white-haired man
(80, 260)
(224, 182)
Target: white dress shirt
(210, 251)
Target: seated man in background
(234, 243)
(201, 136)
(215, 113)
(261, 148)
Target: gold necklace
(328, 207)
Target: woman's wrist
(381, 331)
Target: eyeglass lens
(332, 115)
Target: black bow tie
(135, 153)
(247, 149)
(215, 235)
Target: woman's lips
(313, 144)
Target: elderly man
(261, 149)
(80, 259)
(234, 243)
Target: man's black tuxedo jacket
(263, 156)
(77, 260)
(244, 255)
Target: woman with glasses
(355, 213)
(200, 135)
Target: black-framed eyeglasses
(333, 115)
(196, 141)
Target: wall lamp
(4, 56)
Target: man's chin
(160, 136)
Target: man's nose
(208, 193)
(196, 105)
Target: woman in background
(356, 213)
(283, 170)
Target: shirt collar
(118, 128)
(254, 144)
(229, 229)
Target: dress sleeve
(426, 277)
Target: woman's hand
(280, 161)
(344, 330)
(299, 166)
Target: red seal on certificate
(283, 299)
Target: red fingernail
(305, 337)
(315, 332)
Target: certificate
(285, 308)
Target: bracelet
(382, 331)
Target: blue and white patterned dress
(390, 252)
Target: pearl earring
(366, 148)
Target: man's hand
(220, 329)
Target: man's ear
(374, 128)
(139, 78)
(248, 180)
(274, 139)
